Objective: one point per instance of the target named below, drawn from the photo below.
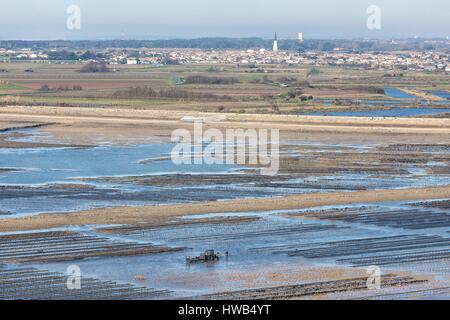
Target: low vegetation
(167, 93)
(9, 100)
(198, 79)
(95, 67)
(6, 85)
(312, 72)
(47, 88)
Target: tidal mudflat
(67, 179)
(128, 217)
(272, 254)
(55, 179)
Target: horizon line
(239, 38)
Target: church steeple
(275, 43)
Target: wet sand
(89, 126)
(129, 215)
(9, 128)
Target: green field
(11, 86)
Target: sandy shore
(129, 215)
(8, 135)
(69, 115)
(120, 126)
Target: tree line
(166, 93)
(231, 43)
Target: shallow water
(441, 94)
(398, 98)
(398, 94)
(395, 112)
(51, 165)
(256, 249)
(252, 245)
(52, 179)
(169, 270)
(37, 184)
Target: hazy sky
(150, 19)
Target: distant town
(431, 56)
